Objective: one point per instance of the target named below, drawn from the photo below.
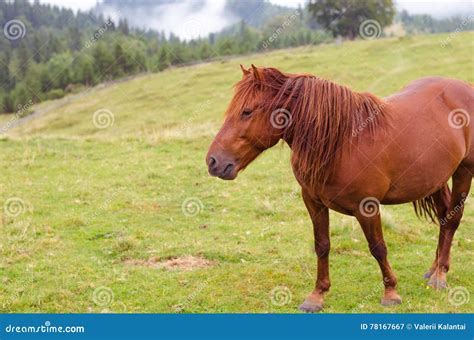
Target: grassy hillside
(101, 210)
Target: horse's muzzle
(221, 167)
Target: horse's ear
(256, 73)
(244, 70)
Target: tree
(23, 58)
(103, 60)
(21, 97)
(205, 51)
(123, 26)
(45, 79)
(5, 80)
(344, 17)
(8, 104)
(247, 39)
(84, 70)
(74, 39)
(59, 68)
(163, 58)
(120, 61)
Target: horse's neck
(316, 137)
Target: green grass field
(101, 210)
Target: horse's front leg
(372, 227)
(320, 217)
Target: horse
(353, 151)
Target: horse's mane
(324, 116)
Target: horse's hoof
(427, 275)
(437, 283)
(310, 307)
(391, 302)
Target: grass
(94, 198)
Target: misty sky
(181, 20)
(438, 8)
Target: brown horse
(353, 151)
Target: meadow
(118, 213)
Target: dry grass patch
(185, 263)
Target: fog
(188, 20)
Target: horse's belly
(422, 177)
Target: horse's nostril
(228, 169)
(212, 161)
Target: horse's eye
(246, 113)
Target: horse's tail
(426, 207)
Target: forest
(47, 51)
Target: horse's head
(249, 128)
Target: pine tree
(120, 65)
(23, 58)
(163, 58)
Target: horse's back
(453, 92)
(430, 133)
(445, 105)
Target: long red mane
(324, 115)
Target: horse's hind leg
(372, 227)
(461, 185)
(442, 199)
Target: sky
(183, 21)
(438, 8)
